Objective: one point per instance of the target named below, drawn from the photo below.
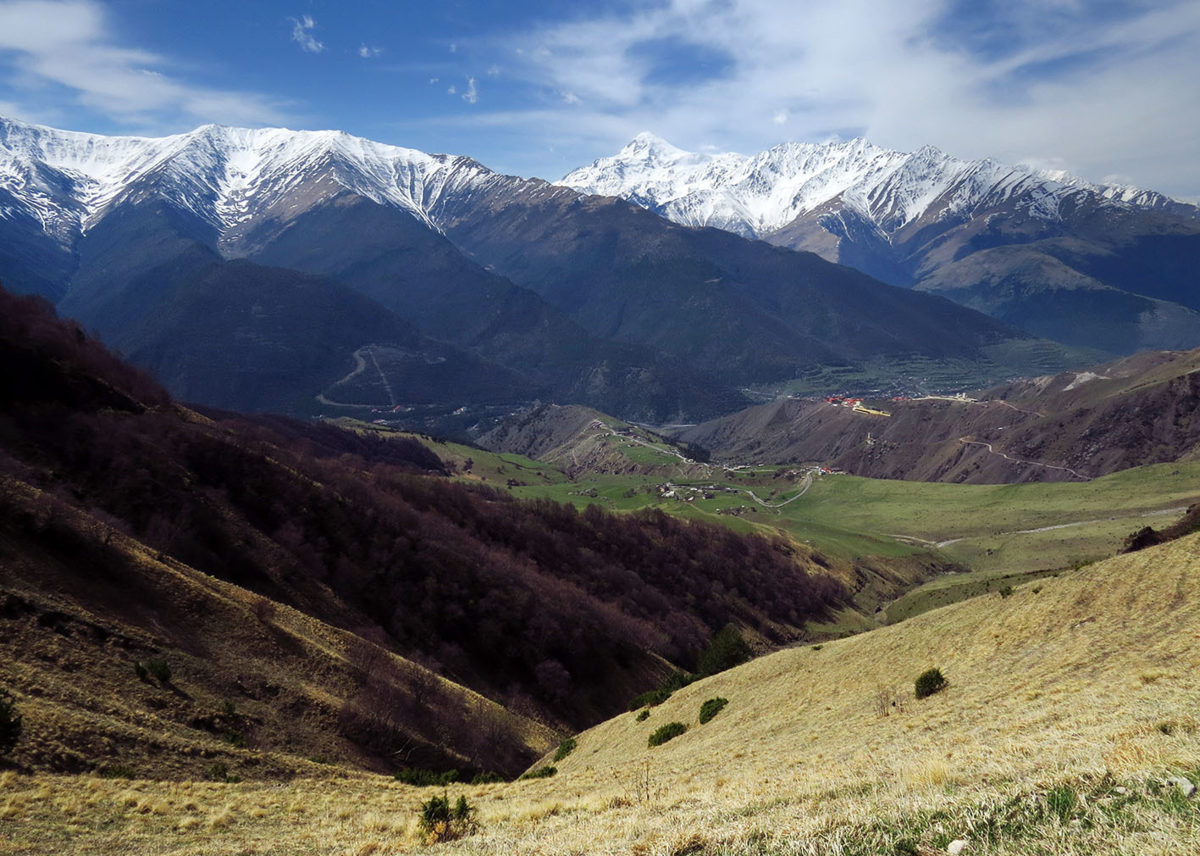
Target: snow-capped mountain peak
(762, 193)
(225, 176)
(651, 145)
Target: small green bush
(420, 778)
(564, 749)
(487, 778)
(650, 698)
(674, 681)
(666, 732)
(644, 715)
(219, 772)
(160, 669)
(539, 773)
(677, 681)
(440, 822)
(140, 671)
(711, 708)
(930, 682)
(817, 647)
(1006, 591)
(11, 723)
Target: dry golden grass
(1090, 684)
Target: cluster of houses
(856, 404)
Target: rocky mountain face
(578, 298)
(1102, 266)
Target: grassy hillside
(871, 529)
(1068, 707)
(986, 527)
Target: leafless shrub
(888, 700)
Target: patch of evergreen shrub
(666, 732)
(930, 682)
(441, 822)
(711, 708)
(650, 698)
(160, 669)
(674, 681)
(564, 749)
(425, 778)
(644, 715)
(539, 773)
(219, 772)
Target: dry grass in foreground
(1070, 702)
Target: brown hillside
(1072, 426)
(256, 687)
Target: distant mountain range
(1103, 266)
(223, 259)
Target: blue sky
(1109, 89)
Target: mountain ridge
(1099, 266)
(895, 188)
(589, 297)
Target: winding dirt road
(1006, 457)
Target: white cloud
(69, 44)
(302, 28)
(494, 71)
(571, 98)
(453, 47)
(433, 80)
(471, 96)
(366, 51)
(1103, 92)
(453, 90)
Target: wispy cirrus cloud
(65, 52)
(302, 34)
(1099, 87)
(471, 96)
